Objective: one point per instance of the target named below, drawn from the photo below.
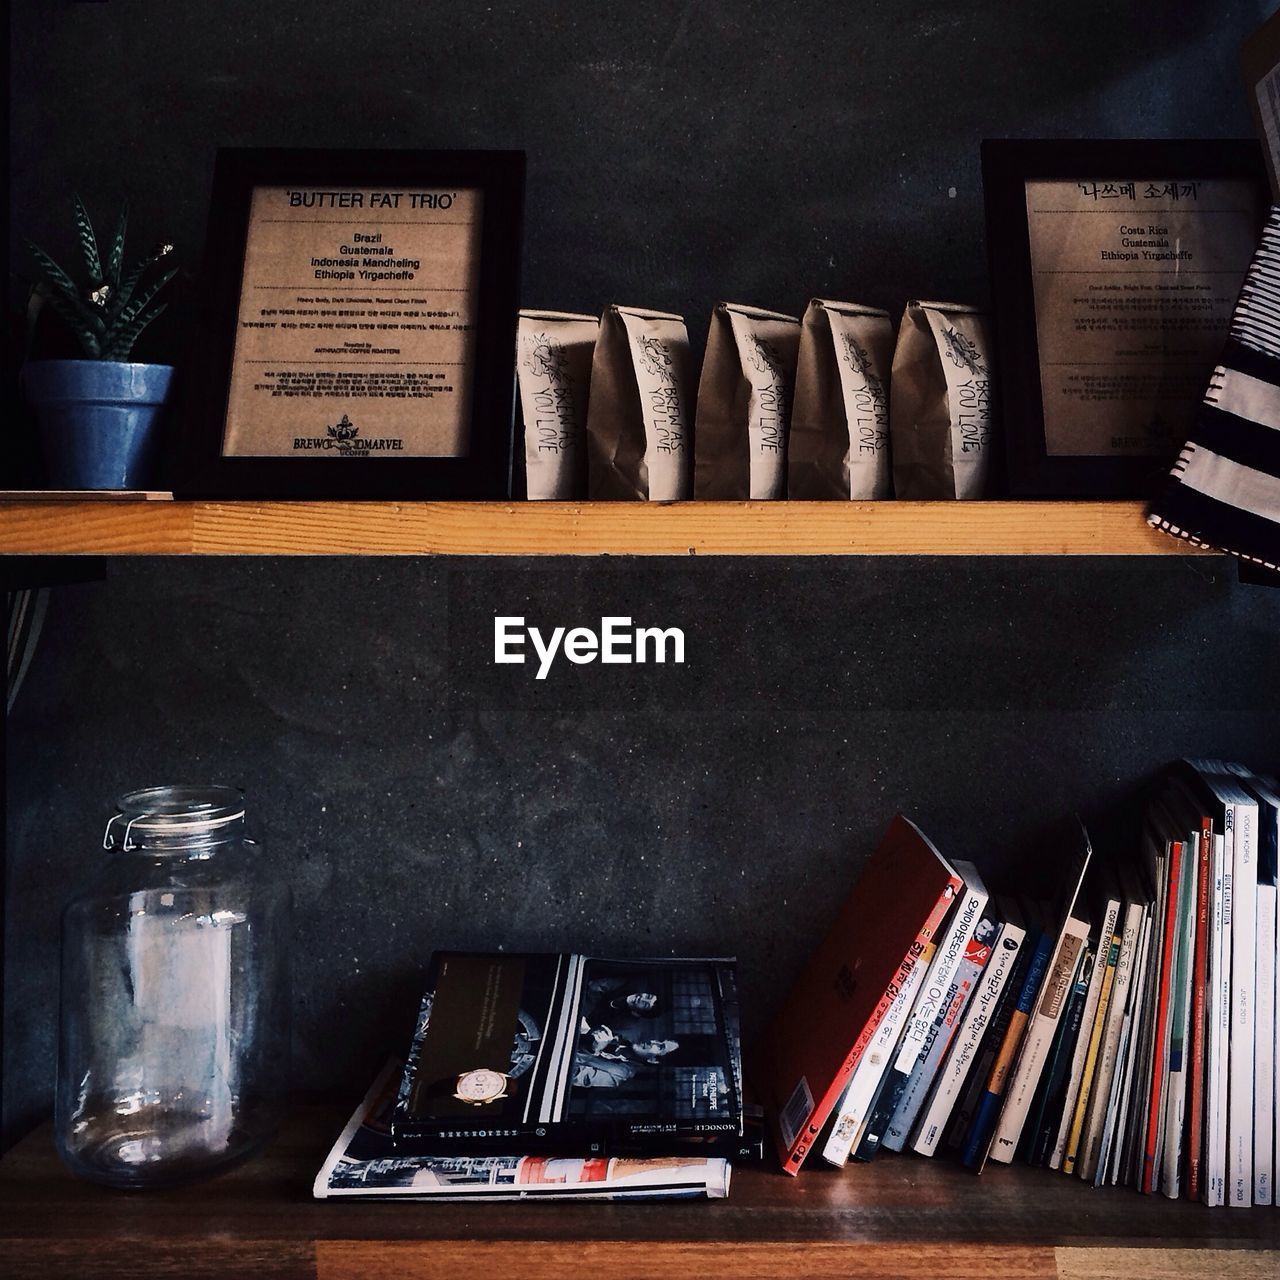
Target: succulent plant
(109, 314)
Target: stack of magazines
(557, 1076)
(1121, 1030)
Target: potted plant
(97, 416)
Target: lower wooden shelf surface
(900, 1216)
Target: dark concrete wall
(414, 794)
(678, 153)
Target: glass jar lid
(175, 817)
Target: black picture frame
(206, 471)
(1007, 166)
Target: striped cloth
(1225, 486)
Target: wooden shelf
(899, 1216)
(579, 529)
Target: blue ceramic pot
(98, 420)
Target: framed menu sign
(361, 325)
(1115, 268)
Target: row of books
(1123, 1032)
(557, 1077)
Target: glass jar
(175, 1006)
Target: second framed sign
(1115, 267)
(360, 327)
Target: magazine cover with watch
(570, 1054)
(365, 1163)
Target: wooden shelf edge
(583, 529)
(899, 1216)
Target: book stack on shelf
(1124, 1033)
(557, 1077)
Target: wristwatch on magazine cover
(477, 1088)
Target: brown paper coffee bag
(940, 402)
(640, 412)
(553, 370)
(744, 404)
(839, 445)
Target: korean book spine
(960, 1062)
(929, 1002)
(977, 953)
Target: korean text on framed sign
(1115, 268)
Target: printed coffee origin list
(1135, 282)
(356, 331)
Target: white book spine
(1244, 937)
(1218, 1024)
(964, 1049)
(1081, 1051)
(946, 962)
(860, 1092)
(1264, 1049)
(1051, 1003)
(1101, 1102)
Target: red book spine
(804, 1140)
(1199, 985)
(1158, 1064)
